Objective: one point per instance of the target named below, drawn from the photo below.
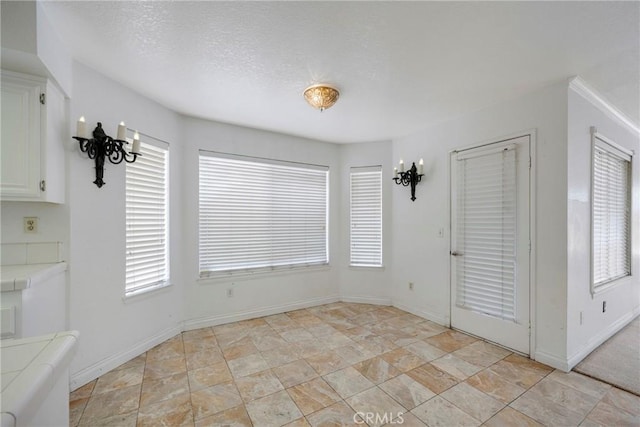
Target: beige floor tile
(472, 401)
(229, 329)
(321, 330)
(281, 355)
(348, 382)
(353, 353)
(495, 386)
(156, 369)
(169, 349)
(120, 420)
(295, 373)
(546, 411)
(241, 348)
(194, 344)
(439, 412)
(118, 379)
(208, 376)
(476, 356)
(300, 422)
(426, 352)
(231, 339)
(490, 349)
(117, 402)
(76, 408)
(433, 378)
(84, 391)
(337, 415)
(400, 338)
(608, 415)
(274, 410)
(327, 362)
(313, 395)
(258, 385)
(528, 364)
(196, 334)
(407, 391)
(580, 382)
(247, 365)
(450, 340)
(378, 408)
(234, 417)
(309, 348)
(509, 417)
(173, 412)
(377, 345)
(336, 340)
(358, 333)
(577, 401)
(280, 322)
(623, 400)
(402, 359)
(154, 391)
(268, 342)
(137, 362)
(516, 373)
(212, 400)
(456, 366)
(203, 358)
(406, 420)
(296, 335)
(377, 370)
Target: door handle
(455, 253)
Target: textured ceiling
(399, 65)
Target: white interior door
(490, 242)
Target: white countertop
(30, 368)
(22, 276)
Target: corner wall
(587, 325)
(421, 257)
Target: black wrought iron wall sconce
(102, 147)
(411, 177)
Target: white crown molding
(599, 101)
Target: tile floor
(342, 364)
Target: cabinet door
(20, 150)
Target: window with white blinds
(147, 227)
(260, 214)
(611, 213)
(366, 216)
(486, 232)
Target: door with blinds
(490, 242)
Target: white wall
(112, 330)
(421, 257)
(362, 284)
(623, 300)
(206, 301)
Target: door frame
(532, 134)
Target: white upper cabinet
(32, 147)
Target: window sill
(248, 275)
(366, 267)
(610, 285)
(145, 292)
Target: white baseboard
(551, 360)
(365, 300)
(204, 322)
(434, 317)
(597, 340)
(90, 373)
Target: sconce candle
(412, 177)
(122, 132)
(135, 148)
(421, 167)
(81, 128)
(102, 147)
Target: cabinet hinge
(43, 98)
(43, 185)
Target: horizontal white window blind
(486, 224)
(611, 215)
(366, 216)
(261, 214)
(147, 230)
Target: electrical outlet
(230, 293)
(30, 224)
(604, 306)
(410, 286)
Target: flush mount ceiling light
(321, 96)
